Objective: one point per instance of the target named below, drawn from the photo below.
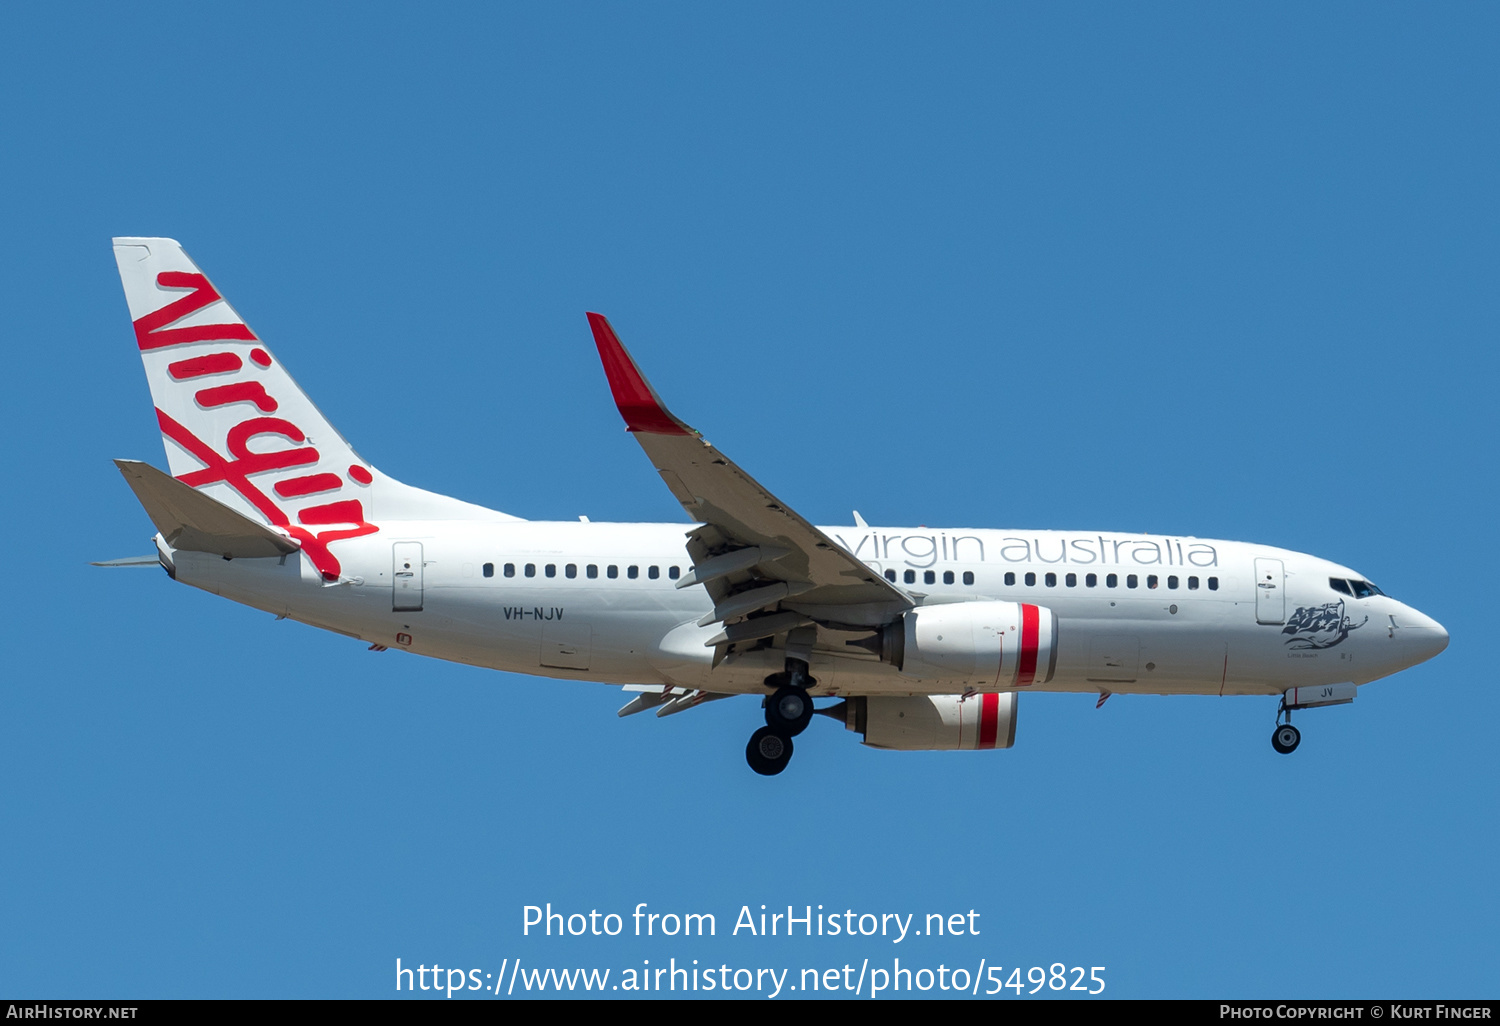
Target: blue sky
(1196, 269)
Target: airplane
(925, 637)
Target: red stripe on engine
(989, 720)
(1030, 624)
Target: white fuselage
(1160, 615)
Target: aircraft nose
(1421, 635)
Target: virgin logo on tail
(152, 331)
(344, 518)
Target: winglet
(637, 401)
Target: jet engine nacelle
(983, 645)
(928, 723)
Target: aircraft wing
(767, 569)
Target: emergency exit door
(406, 590)
(1270, 591)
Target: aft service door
(406, 591)
(1270, 591)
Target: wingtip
(636, 400)
(599, 325)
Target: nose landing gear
(1285, 738)
(788, 712)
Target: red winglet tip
(636, 400)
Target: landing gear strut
(789, 710)
(1285, 738)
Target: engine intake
(933, 723)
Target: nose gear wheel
(1285, 738)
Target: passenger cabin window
(1051, 580)
(947, 576)
(1010, 580)
(1031, 580)
(632, 572)
(571, 570)
(968, 577)
(890, 575)
(551, 569)
(1213, 584)
(1091, 580)
(910, 577)
(612, 571)
(1172, 583)
(929, 577)
(1192, 584)
(530, 569)
(1151, 580)
(653, 572)
(510, 569)
(591, 571)
(674, 572)
(1112, 581)
(1341, 585)
(489, 569)
(1131, 580)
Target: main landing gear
(789, 710)
(768, 752)
(1285, 738)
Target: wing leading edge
(766, 568)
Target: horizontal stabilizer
(189, 519)
(151, 560)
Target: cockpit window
(1364, 589)
(1340, 585)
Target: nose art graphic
(1320, 626)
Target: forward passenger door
(1270, 591)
